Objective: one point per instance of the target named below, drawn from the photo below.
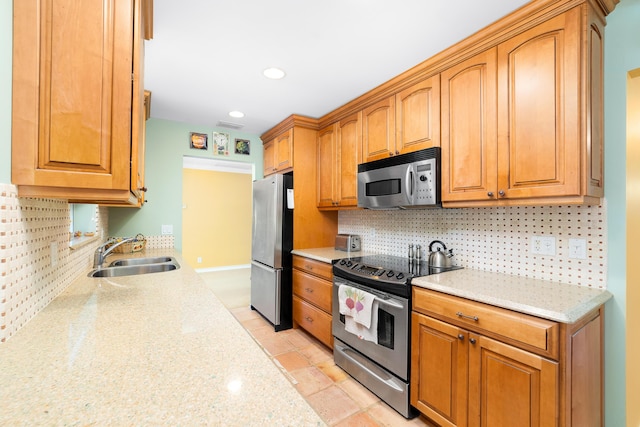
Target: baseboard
(223, 268)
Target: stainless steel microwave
(406, 181)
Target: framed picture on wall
(198, 141)
(221, 143)
(242, 146)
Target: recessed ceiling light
(236, 114)
(273, 73)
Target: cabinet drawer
(312, 289)
(317, 268)
(533, 332)
(313, 320)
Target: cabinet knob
(309, 290)
(490, 194)
(308, 319)
(142, 189)
(472, 340)
(501, 193)
(460, 337)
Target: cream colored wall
(633, 237)
(216, 218)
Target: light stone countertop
(554, 301)
(560, 302)
(328, 255)
(155, 349)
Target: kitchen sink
(141, 261)
(136, 266)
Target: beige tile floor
(334, 395)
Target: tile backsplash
(493, 239)
(36, 263)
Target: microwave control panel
(425, 182)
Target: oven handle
(392, 303)
(382, 301)
(356, 358)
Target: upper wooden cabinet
(379, 130)
(405, 122)
(522, 123)
(278, 153)
(78, 100)
(312, 228)
(338, 157)
(469, 126)
(418, 116)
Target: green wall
(622, 54)
(6, 37)
(166, 144)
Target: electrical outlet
(543, 245)
(167, 229)
(199, 260)
(578, 248)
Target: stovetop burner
(386, 273)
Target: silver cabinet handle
(501, 193)
(490, 194)
(461, 314)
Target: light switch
(578, 248)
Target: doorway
(216, 213)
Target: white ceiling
(206, 57)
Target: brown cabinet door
(539, 97)
(378, 130)
(469, 125)
(327, 167)
(139, 105)
(509, 386)
(284, 150)
(418, 116)
(269, 159)
(349, 149)
(439, 370)
(72, 96)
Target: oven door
(392, 350)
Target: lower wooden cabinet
(313, 320)
(312, 297)
(465, 373)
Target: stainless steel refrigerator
(271, 244)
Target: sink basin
(135, 269)
(141, 261)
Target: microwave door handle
(409, 183)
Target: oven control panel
(379, 273)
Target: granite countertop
(155, 349)
(328, 255)
(554, 301)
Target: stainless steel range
(380, 357)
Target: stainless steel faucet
(101, 254)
